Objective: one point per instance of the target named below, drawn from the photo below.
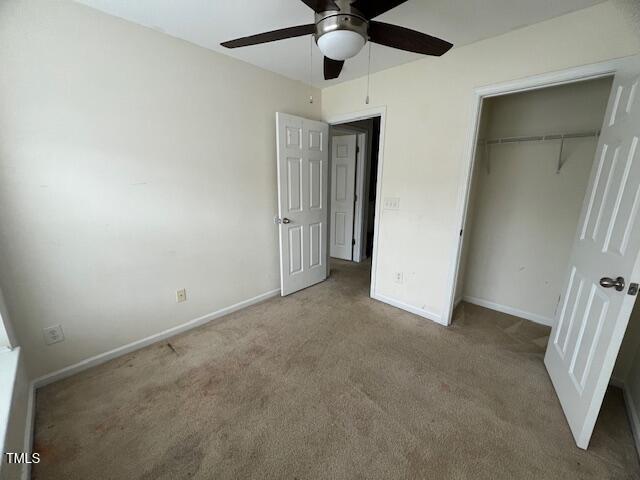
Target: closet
(534, 157)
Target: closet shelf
(538, 138)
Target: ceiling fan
(342, 28)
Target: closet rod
(537, 138)
(541, 138)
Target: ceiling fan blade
(332, 68)
(322, 5)
(407, 39)
(266, 37)
(373, 8)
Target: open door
(303, 169)
(604, 268)
(343, 186)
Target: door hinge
(461, 230)
(357, 149)
(353, 242)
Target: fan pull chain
(368, 75)
(311, 68)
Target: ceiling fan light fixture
(343, 27)
(341, 44)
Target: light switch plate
(391, 203)
(181, 295)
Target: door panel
(315, 244)
(294, 184)
(343, 177)
(316, 184)
(590, 324)
(302, 200)
(295, 250)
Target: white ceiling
(209, 22)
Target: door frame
(5, 325)
(535, 82)
(360, 221)
(335, 121)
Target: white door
(591, 320)
(303, 158)
(343, 185)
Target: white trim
(29, 429)
(359, 221)
(534, 317)
(570, 75)
(9, 367)
(457, 302)
(131, 347)
(632, 413)
(363, 115)
(6, 325)
(409, 308)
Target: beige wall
(427, 125)
(132, 164)
(631, 12)
(525, 215)
(485, 121)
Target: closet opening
(534, 157)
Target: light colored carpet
(327, 384)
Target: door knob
(286, 220)
(607, 282)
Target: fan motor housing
(348, 18)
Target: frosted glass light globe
(341, 44)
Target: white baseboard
(409, 308)
(137, 345)
(534, 317)
(634, 419)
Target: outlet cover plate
(53, 334)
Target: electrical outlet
(391, 203)
(53, 334)
(181, 295)
(398, 277)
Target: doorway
(354, 161)
(592, 309)
(354, 150)
(533, 161)
(304, 196)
